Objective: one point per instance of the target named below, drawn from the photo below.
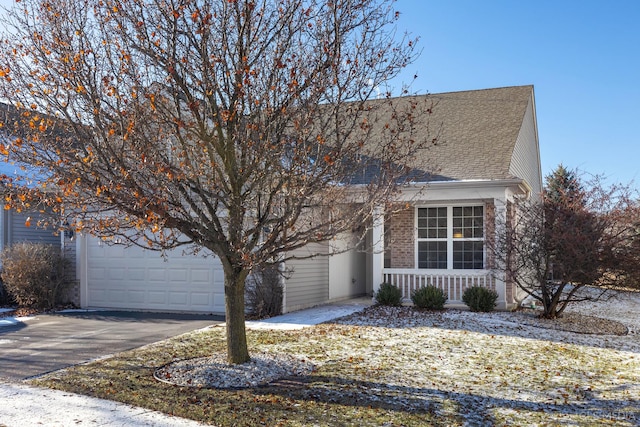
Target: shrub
(5, 298)
(429, 297)
(389, 294)
(480, 299)
(264, 293)
(34, 274)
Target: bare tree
(249, 128)
(578, 234)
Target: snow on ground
(480, 368)
(10, 320)
(493, 369)
(487, 368)
(30, 406)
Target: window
(451, 237)
(432, 237)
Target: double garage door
(133, 278)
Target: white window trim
(449, 238)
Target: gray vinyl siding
(525, 161)
(308, 283)
(17, 231)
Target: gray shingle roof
(476, 132)
(479, 131)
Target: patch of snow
(77, 310)
(28, 406)
(11, 321)
(214, 371)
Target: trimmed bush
(33, 274)
(429, 297)
(264, 293)
(389, 294)
(480, 299)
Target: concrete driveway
(48, 342)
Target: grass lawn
(398, 368)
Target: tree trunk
(237, 350)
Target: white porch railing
(452, 282)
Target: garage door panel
(134, 278)
(116, 273)
(200, 298)
(200, 275)
(116, 295)
(157, 275)
(178, 275)
(136, 274)
(136, 297)
(157, 297)
(178, 298)
(97, 295)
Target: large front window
(451, 237)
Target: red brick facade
(73, 293)
(400, 237)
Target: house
(487, 156)
(434, 232)
(17, 227)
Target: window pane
(432, 223)
(432, 255)
(468, 222)
(468, 255)
(478, 227)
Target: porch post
(500, 212)
(377, 234)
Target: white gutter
(518, 185)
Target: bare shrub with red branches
(579, 234)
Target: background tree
(578, 234)
(243, 127)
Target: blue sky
(582, 56)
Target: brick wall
(73, 293)
(401, 239)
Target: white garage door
(134, 278)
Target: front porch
(442, 238)
(453, 283)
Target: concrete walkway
(312, 316)
(24, 405)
